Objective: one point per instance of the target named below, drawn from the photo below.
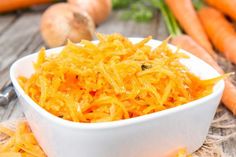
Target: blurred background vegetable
(118, 4)
(73, 21)
(11, 5)
(187, 17)
(99, 10)
(137, 10)
(220, 31)
(225, 6)
(64, 21)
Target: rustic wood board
(19, 36)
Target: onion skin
(62, 22)
(99, 10)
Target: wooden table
(19, 36)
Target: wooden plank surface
(6, 21)
(19, 36)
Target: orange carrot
(220, 31)
(225, 6)
(11, 5)
(184, 12)
(191, 46)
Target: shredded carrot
(182, 153)
(20, 143)
(112, 80)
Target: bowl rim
(118, 123)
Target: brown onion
(99, 10)
(63, 21)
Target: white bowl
(157, 134)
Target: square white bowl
(156, 134)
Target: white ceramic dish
(153, 135)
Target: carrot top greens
(112, 80)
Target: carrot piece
(184, 12)
(11, 5)
(10, 154)
(191, 46)
(229, 96)
(220, 31)
(225, 6)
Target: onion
(63, 21)
(99, 10)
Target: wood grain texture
(6, 21)
(19, 36)
(16, 41)
(128, 28)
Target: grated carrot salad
(112, 80)
(19, 143)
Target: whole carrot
(225, 6)
(191, 46)
(220, 31)
(11, 5)
(184, 12)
